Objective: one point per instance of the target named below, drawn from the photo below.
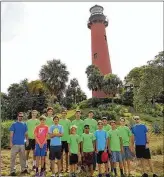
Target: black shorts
(31, 145)
(55, 152)
(99, 154)
(65, 146)
(48, 144)
(142, 152)
(73, 159)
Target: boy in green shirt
(66, 123)
(74, 149)
(127, 144)
(80, 128)
(91, 122)
(88, 146)
(106, 126)
(31, 125)
(115, 147)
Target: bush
(74, 106)
(83, 104)
(57, 108)
(5, 134)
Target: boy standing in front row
(88, 146)
(101, 146)
(41, 134)
(74, 150)
(115, 147)
(56, 132)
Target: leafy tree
(54, 75)
(151, 85)
(36, 87)
(95, 78)
(73, 94)
(5, 112)
(111, 84)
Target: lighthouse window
(105, 37)
(95, 55)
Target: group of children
(88, 142)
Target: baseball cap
(73, 126)
(78, 111)
(104, 157)
(104, 118)
(91, 111)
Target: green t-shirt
(80, 126)
(92, 124)
(125, 134)
(31, 125)
(66, 123)
(106, 127)
(73, 141)
(49, 122)
(88, 140)
(114, 140)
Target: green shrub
(83, 104)
(127, 115)
(57, 108)
(5, 133)
(74, 106)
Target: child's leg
(100, 168)
(106, 168)
(37, 164)
(59, 166)
(42, 163)
(121, 167)
(71, 168)
(75, 168)
(52, 162)
(91, 170)
(124, 166)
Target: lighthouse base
(98, 94)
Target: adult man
(56, 132)
(18, 133)
(127, 145)
(66, 123)
(141, 138)
(80, 128)
(31, 125)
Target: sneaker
(99, 175)
(34, 167)
(108, 175)
(154, 175)
(37, 174)
(145, 175)
(42, 174)
(60, 175)
(25, 172)
(53, 176)
(13, 174)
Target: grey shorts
(127, 155)
(116, 156)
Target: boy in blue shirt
(101, 146)
(56, 132)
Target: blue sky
(34, 32)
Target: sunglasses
(136, 119)
(86, 127)
(20, 116)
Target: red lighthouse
(100, 54)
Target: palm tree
(111, 84)
(95, 78)
(54, 75)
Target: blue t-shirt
(139, 131)
(19, 130)
(56, 141)
(101, 137)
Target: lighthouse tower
(99, 45)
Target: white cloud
(59, 30)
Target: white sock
(34, 163)
(26, 162)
